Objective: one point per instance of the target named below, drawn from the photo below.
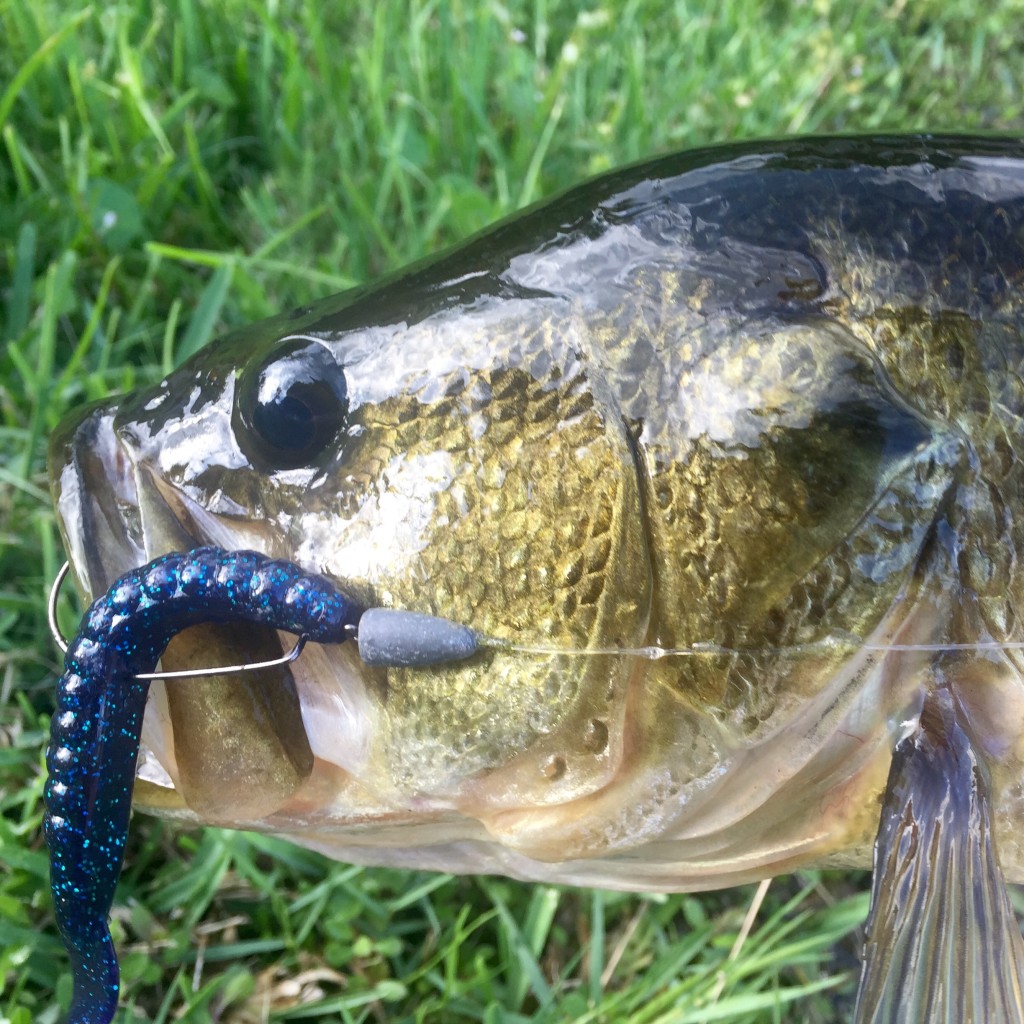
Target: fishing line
(397, 638)
(698, 650)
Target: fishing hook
(253, 666)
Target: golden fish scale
(744, 550)
(523, 435)
(965, 366)
(750, 549)
(970, 373)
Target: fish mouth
(233, 749)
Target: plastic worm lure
(101, 698)
(94, 736)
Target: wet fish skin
(763, 398)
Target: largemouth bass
(723, 451)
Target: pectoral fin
(943, 944)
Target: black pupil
(289, 423)
(297, 405)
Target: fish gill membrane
(943, 942)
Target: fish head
(465, 469)
(475, 467)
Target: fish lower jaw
(233, 750)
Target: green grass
(167, 173)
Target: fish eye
(290, 407)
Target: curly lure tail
(94, 735)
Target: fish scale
(713, 326)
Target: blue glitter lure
(94, 736)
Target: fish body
(722, 453)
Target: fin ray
(943, 942)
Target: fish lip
(94, 484)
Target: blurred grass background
(171, 169)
